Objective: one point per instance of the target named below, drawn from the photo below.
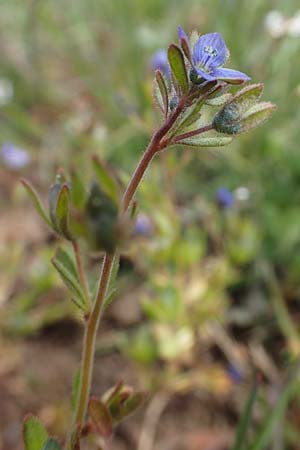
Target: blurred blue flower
(143, 226)
(207, 57)
(224, 198)
(159, 61)
(234, 374)
(13, 157)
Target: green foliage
(51, 444)
(59, 198)
(65, 266)
(66, 107)
(264, 435)
(36, 202)
(34, 433)
(102, 219)
(105, 180)
(177, 64)
(245, 421)
(161, 92)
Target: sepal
(199, 141)
(178, 67)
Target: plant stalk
(91, 326)
(81, 274)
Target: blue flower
(159, 61)
(224, 198)
(143, 226)
(235, 374)
(207, 57)
(13, 157)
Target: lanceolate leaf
(106, 181)
(199, 141)
(129, 406)
(36, 202)
(257, 115)
(78, 192)
(34, 433)
(53, 195)
(242, 430)
(51, 444)
(157, 96)
(62, 211)
(219, 101)
(177, 64)
(163, 90)
(71, 282)
(65, 258)
(263, 436)
(112, 283)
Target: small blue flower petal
(182, 34)
(210, 51)
(204, 74)
(13, 157)
(225, 198)
(230, 75)
(159, 61)
(143, 226)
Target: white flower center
(210, 50)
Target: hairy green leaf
(70, 280)
(78, 191)
(34, 433)
(106, 181)
(199, 141)
(36, 202)
(177, 64)
(161, 83)
(62, 211)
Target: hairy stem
(91, 327)
(81, 273)
(192, 133)
(89, 341)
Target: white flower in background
(100, 133)
(275, 24)
(242, 194)
(293, 25)
(6, 91)
(278, 25)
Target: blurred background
(208, 290)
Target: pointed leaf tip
(161, 84)
(36, 201)
(177, 64)
(105, 179)
(62, 211)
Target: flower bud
(102, 220)
(242, 112)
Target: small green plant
(198, 110)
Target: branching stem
(92, 323)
